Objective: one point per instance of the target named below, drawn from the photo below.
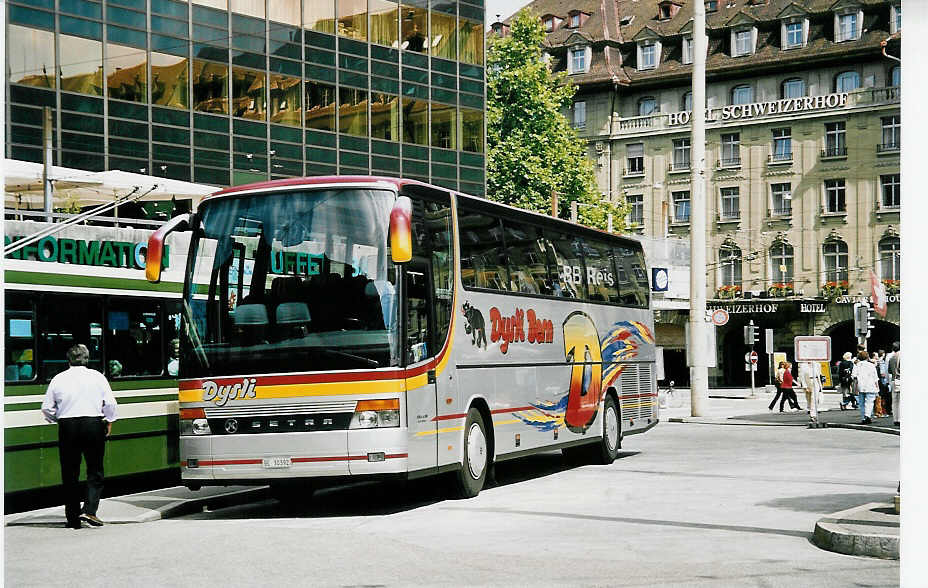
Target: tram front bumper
(269, 456)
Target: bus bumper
(317, 454)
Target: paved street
(686, 504)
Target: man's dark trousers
(77, 437)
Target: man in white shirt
(868, 384)
(80, 400)
(810, 380)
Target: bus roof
(399, 184)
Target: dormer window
(549, 24)
(667, 9)
(712, 5)
(579, 59)
(574, 20)
(895, 18)
(794, 33)
(743, 41)
(649, 53)
(687, 50)
(848, 24)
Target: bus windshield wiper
(364, 360)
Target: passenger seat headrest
(292, 312)
(250, 315)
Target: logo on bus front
(220, 395)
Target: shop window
(470, 38)
(415, 121)
(352, 19)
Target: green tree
(532, 150)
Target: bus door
(428, 301)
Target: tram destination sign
(81, 252)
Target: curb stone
(832, 534)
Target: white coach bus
(365, 326)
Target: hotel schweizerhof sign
(763, 109)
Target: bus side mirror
(155, 249)
(401, 230)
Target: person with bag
(784, 387)
(895, 374)
(845, 381)
(867, 383)
(810, 381)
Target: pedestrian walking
(845, 380)
(886, 396)
(784, 387)
(810, 380)
(895, 374)
(791, 390)
(867, 382)
(80, 400)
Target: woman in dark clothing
(788, 393)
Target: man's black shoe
(866, 421)
(91, 520)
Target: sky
(505, 8)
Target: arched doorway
(883, 335)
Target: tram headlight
(373, 414)
(193, 421)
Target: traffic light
(862, 315)
(749, 334)
(869, 320)
(755, 335)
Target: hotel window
(730, 208)
(681, 207)
(781, 262)
(646, 106)
(847, 81)
(835, 201)
(892, 137)
(580, 115)
(549, 24)
(730, 265)
(575, 20)
(635, 210)
(687, 101)
(33, 61)
(712, 5)
(635, 158)
(781, 199)
(793, 88)
(681, 153)
(579, 60)
(835, 139)
(889, 258)
(648, 55)
(793, 33)
(782, 144)
(743, 94)
(889, 187)
(895, 76)
(742, 42)
(836, 258)
(895, 18)
(687, 50)
(731, 149)
(126, 73)
(847, 26)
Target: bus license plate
(276, 462)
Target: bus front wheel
(473, 474)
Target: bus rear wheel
(607, 449)
(471, 477)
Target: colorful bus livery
(437, 333)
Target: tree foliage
(532, 150)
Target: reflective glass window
(528, 262)
(169, 80)
(126, 73)
(352, 111)
(61, 327)
(415, 121)
(320, 106)
(253, 8)
(567, 273)
(472, 130)
(319, 15)
(414, 26)
(133, 339)
(471, 41)
(385, 116)
(631, 275)
(444, 126)
(384, 23)
(248, 99)
(19, 350)
(210, 87)
(443, 40)
(220, 4)
(847, 81)
(285, 11)
(352, 19)
(482, 261)
(32, 62)
(285, 100)
(600, 276)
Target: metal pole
(751, 358)
(609, 227)
(48, 159)
(553, 203)
(699, 368)
(573, 211)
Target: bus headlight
(373, 414)
(193, 421)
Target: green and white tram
(86, 284)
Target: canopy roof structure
(23, 186)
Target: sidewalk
(735, 406)
(871, 529)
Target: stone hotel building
(803, 140)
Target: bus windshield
(291, 282)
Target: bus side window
(567, 273)
(632, 277)
(19, 347)
(600, 275)
(65, 321)
(438, 225)
(482, 251)
(528, 269)
(134, 338)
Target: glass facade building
(227, 92)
